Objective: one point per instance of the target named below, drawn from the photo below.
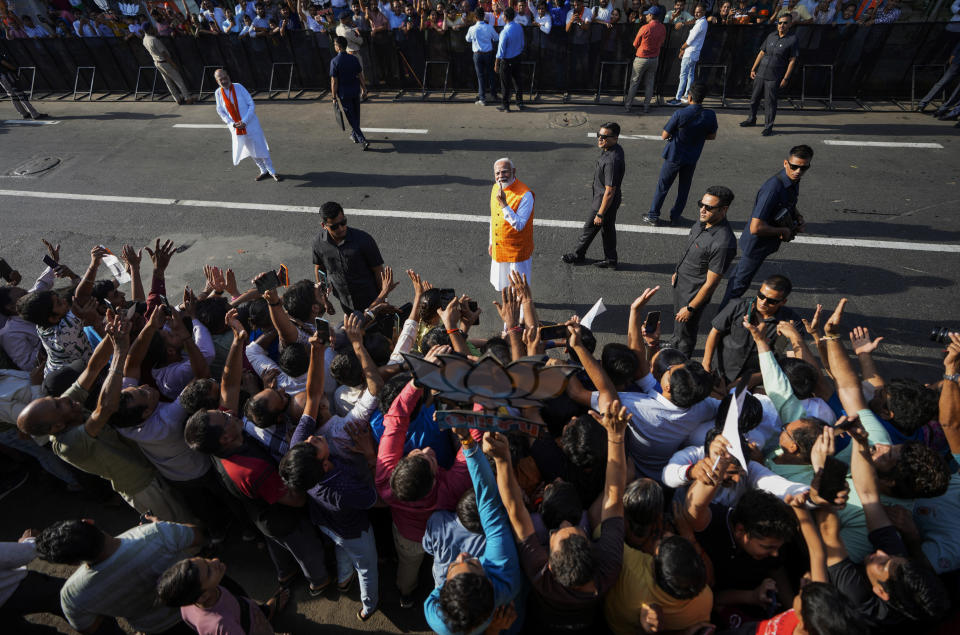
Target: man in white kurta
(235, 107)
(511, 225)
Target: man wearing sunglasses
(711, 248)
(775, 220)
(347, 259)
(730, 348)
(771, 71)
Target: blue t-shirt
(688, 129)
(346, 68)
(775, 194)
(422, 433)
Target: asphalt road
(893, 208)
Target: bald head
(223, 78)
(49, 415)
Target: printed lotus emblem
(524, 382)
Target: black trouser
(767, 89)
(210, 502)
(684, 336)
(351, 110)
(609, 229)
(510, 72)
(36, 593)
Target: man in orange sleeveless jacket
(511, 225)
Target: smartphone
(554, 332)
(165, 306)
(283, 276)
(446, 296)
(831, 479)
(652, 322)
(268, 282)
(5, 270)
(323, 329)
(322, 275)
(751, 312)
(50, 262)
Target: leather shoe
(503, 108)
(606, 264)
(572, 259)
(746, 123)
(766, 132)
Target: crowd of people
(775, 485)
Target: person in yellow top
(511, 225)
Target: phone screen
(652, 322)
(446, 296)
(268, 281)
(323, 328)
(554, 332)
(50, 262)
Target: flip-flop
(345, 586)
(316, 591)
(363, 617)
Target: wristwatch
(690, 308)
(953, 377)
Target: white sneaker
(480, 102)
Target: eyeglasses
(769, 300)
(342, 223)
(784, 23)
(603, 136)
(709, 208)
(802, 168)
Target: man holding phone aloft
(711, 248)
(511, 225)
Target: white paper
(597, 309)
(116, 268)
(731, 427)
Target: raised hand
(521, 287)
(497, 446)
(53, 251)
(131, 257)
(813, 324)
(161, 254)
(437, 351)
(615, 419)
(387, 283)
(353, 327)
(861, 342)
(832, 326)
(508, 308)
(644, 297)
(232, 287)
(531, 339)
(756, 330)
(232, 321)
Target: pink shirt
(223, 618)
(411, 517)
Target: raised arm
(600, 379)
(815, 546)
(131, 260)
(848, 384)
(863, 348)
(615, 419)
(142, 344)
(496, 445)
(119, 332)
(704, 488)
(98, 361)
(865, 481)
(450, 317)
(509, 310)
(160, 255)
(315, 376)
(285, 327)
(82, 294)
(824, 388)
(635, 331)
(233, 366)
(950, 395)
(352, 326)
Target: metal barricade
(723, 79)
(533, 79)
(153, 86)
(273, 70)
(33, 78)
(76, 81)
(626, 77)
(803, 84)
(426, 77)
(203, 78)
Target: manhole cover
(568, 120)
(36, 166)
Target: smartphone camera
(941, 334)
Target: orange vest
(510, 245)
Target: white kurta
(253, 144)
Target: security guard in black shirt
(771, 72)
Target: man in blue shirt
(347, 86)
(508, 60)
(685, 134)
(775, 219)
(475, 587)
(481, 37)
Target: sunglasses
(802, 168)
(604, 136)
(782, 23)
(342, 223)
(709, 208)
(760, 296)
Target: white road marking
(380, 130)
(882, 144)
(649, 137)
(466, 218)
(30, 122)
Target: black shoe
(606, 264)
(651, 221)
(407, 601)
(766, 132)
(572, 259)
(503, 108)
(922, 106)
(566, 98)
(366, 146)
(521, 106)
(42, 115)
(746, 123)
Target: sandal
(343, 587)
(363, 616)
(276, 603)
(316, 591)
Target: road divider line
(31, 122)
(648, 137)
(199, 125)
(220, 125)
(464, 218)
(882, 144)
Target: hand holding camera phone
(323, 329)
(652, 323)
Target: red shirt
(255, 477)
(649, 39)
(782, 624)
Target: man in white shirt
(481, 37)
(690, 54)
(236, 109)
(18, 337)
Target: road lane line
(465, 218)
(199, 125)
(31, 122)
(648, 137)
(220, 125)
(882, 144)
